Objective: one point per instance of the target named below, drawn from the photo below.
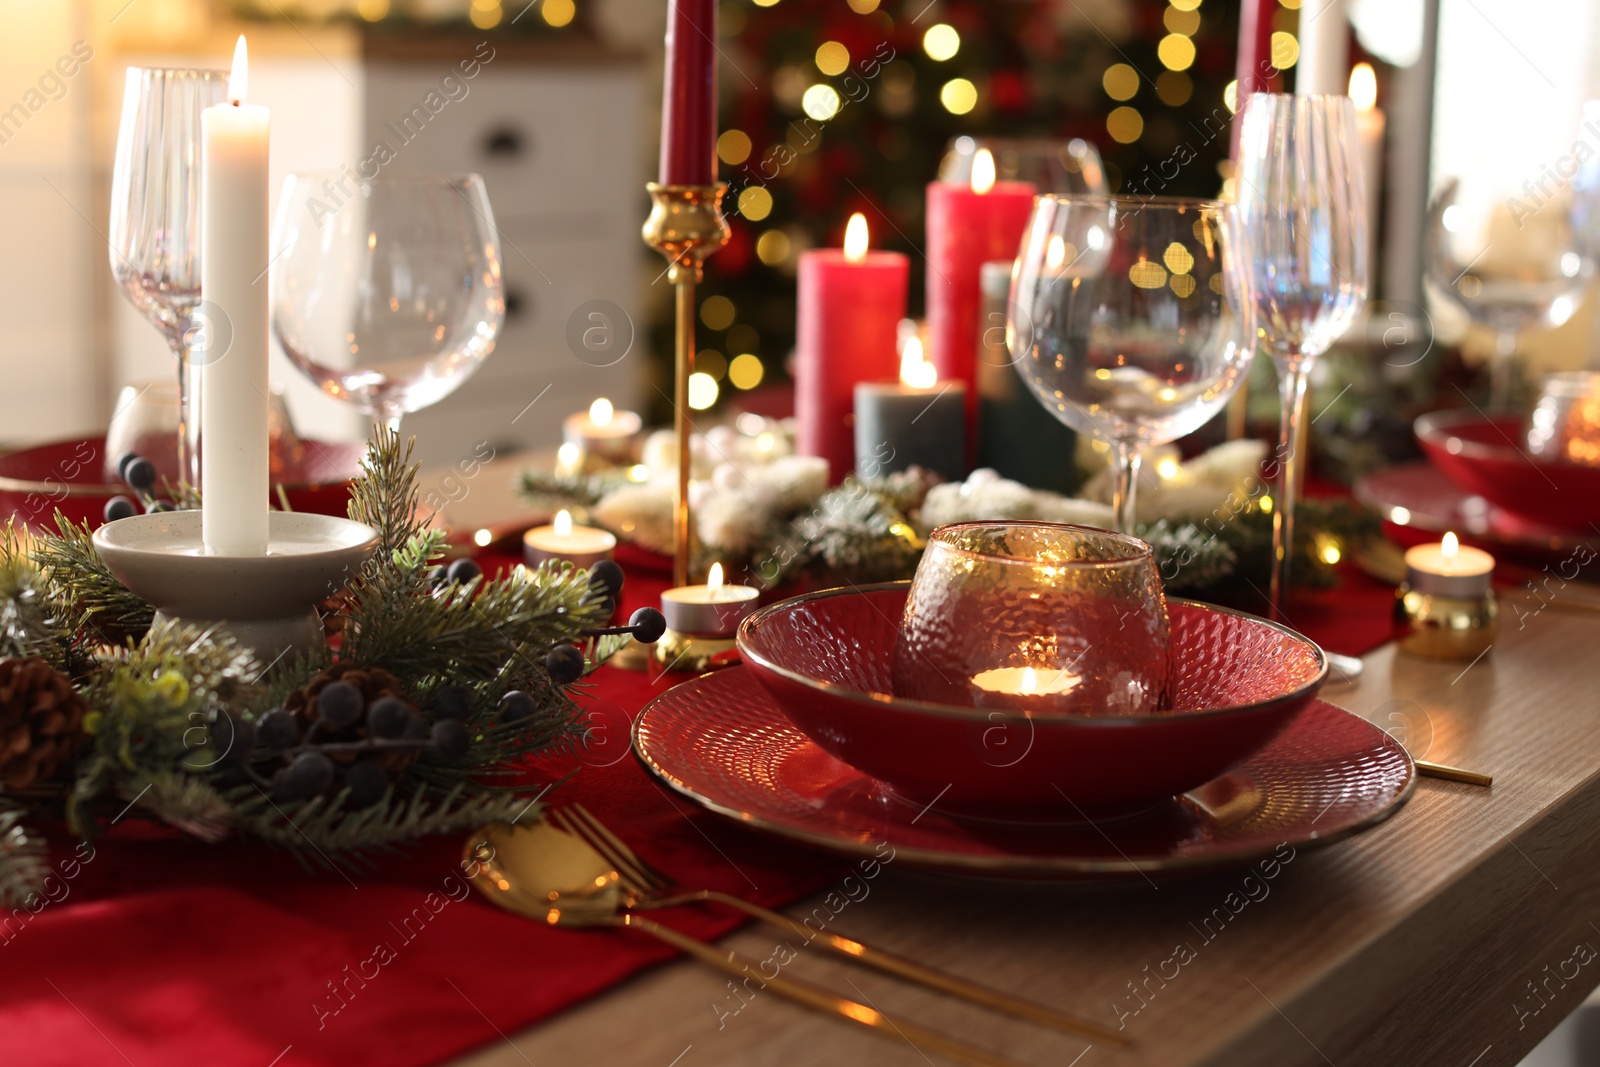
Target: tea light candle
(710, 610)
(603, 431)
(1024, 682)
(583, 546)
(1449, 569)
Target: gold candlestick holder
(685, 226)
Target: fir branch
(93, 599)
(320, 832)
(385, 496)
(188, 802)
(24, 862)
(551, 489)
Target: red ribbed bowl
(1488, 456)
(826, 658)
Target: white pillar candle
(710, 610)
(1369, 129)
(1324, 61)
(583, 546)
(233, 347)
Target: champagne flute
(155, 218)
(1302, 209)
(1130, 319)
(386, 294)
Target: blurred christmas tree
(833, 107)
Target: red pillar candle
(689, 99)
(851, 303)
(968, 225)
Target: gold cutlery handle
(889, 963)
(817, 998)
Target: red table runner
(156, 950)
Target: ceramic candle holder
(267, 603)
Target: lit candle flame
(601, 412)
(567, 457)
(239, 77)
(983, 171)
(1030, 681)
(855, 238)
(915, 371)
(563, 523)
(1449, 546)
(714, 579)
(1364, 86)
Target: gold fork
(649, 888)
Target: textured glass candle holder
(1035, 616)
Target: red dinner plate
(721, 741)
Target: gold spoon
(553, 877)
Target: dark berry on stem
(277, 729)
(123, 461)
(435, 577)
(516, 706)
(234, 738)
(648, 625)
(606, 575)
(463, 571)
(120, 507)
(140, 473)
(388, 717)
(452, 702)
(309, 774)
(565, 664)
(451, 738)
(367, 783)
(340, 704)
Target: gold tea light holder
(701, 623)
(685, 226)
(1446, 608)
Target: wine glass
(1051, 166)
(1302, 211)
(1511, 262)
(386, 294)
(1130, 319)
(155, 218)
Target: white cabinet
(557, 143)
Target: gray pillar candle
(900, 425)
(1017, 436)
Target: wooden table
(1418, 943)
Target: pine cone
(41, 721)
(374, 683)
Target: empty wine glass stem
(1128, 457)
(1292, 390)
(1505, 346)
(189, 399)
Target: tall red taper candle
(967, 226)
(689, 98)
(850, 306)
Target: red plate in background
(1487, 456)
(69, 475)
